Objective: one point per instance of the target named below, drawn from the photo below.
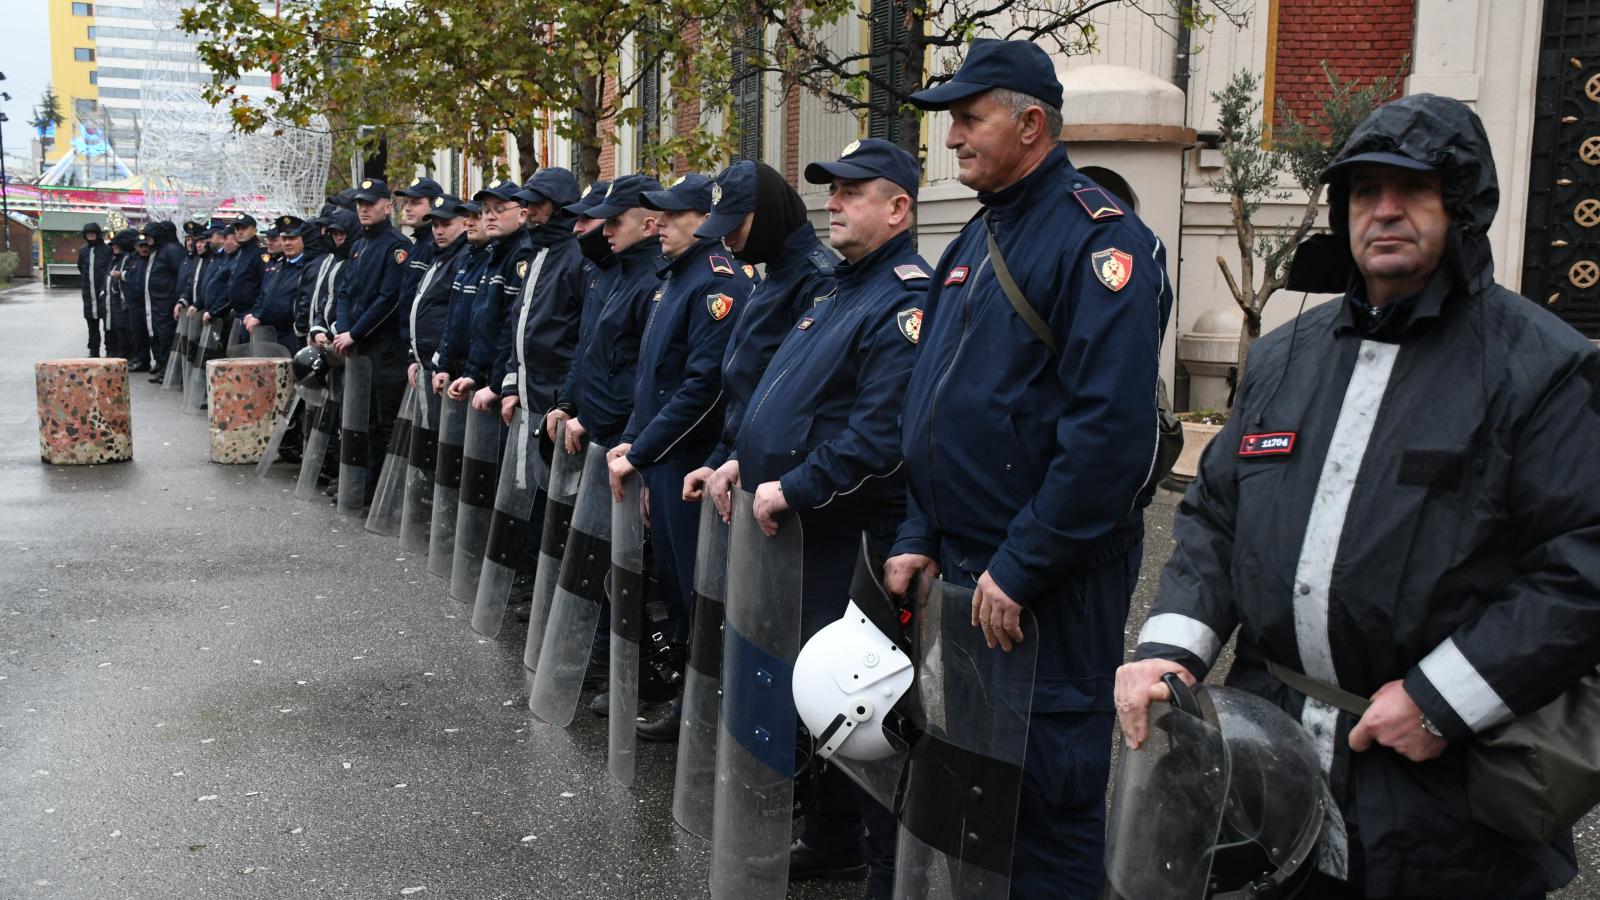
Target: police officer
(677, 398)
(282, 293)
(94, 261)
(599, 274)
(246, 266)
(415, 202)
(137, 328)
(430, 308)
(822, 438)
(119, 330)
(368, 315)
(1401, 507)
(1026, 459)
(508, 254)
(467, 282)
(161, 288)
(318, 309)
(761, 219)
(194, 248)
(223, 245)
(541, 328)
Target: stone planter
(1195, 438)
(85, 417)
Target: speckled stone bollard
(84, 413)
(244, 396)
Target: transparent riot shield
(416, 514)
(172, 372)
(523, 473)
(207, 347)
(447, 485)
(262, 342)
(580, 591)
(695, 780)
(233, 334)
(754, 798)
(188, 337)
(383, 513)
(627, 592)
(355, 434)
(480, 472)
(566, 469)
(322, 412)
(958, 817)
(280, 430)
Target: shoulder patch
(719, 305)
(749, 270)
(1097, 202)
(910, 322)
(1113, 267)
(400, 256)
(910, 271)
(522, 268)
(958, 275)
(721, 265)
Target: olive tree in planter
(1255, 155)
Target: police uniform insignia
(850, 148)
(716, 194)
(266, 257)
(438, 202)
(818, 301)
(1113, 267)
(909, 271)
(721, 266)
(719, 305)
(609, 188)
(367, 183)
(656, 297)
(1098, 204)
(805, 323)
(522, 269)
(910, 322)
(677, 181)
(958, 275)
(749, 270)
(400, 256)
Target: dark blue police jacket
(677, 396)
(215, 279)
(369, 286)
(509, 258)
(799, 280)
(423, 253)
(541, 327)
(471, 279)
(824, 421)
(1023, 461)
(430, 309)
(601, 386)
(244, 276)
(281, 294)
(599, 278)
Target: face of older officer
(215, 239)
(371, 213)
(540, 212)
(230, 241)
(293, 245)
(629, 227)
(275, 244)
(501, 217)
(864, 215)
(1398, 226)
(677, 230)
(445, 231)
(996, 143)
(412, 209)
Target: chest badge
(1277, 443)
(958, 275)
(805, 323)
(522, 269)
(910, 322)
(719, 305)
(400, 257)
(1113, 267)
(266, 257)
(749, 271)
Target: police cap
(370, 190)
(500, 190)
(866, 159)
(445, 207)
(1020, 66)
(555, 184)
(733, 196)
(692, 191)
(591, 199)
(425, 187)
(622, 195)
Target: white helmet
(847, 679)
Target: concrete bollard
(84, 413)
(244, 397)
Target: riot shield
(754, 799)
(355, 425)
(188, 335)
(523, 473)
(480, 471)
(383, 514)
(627, 627)
(262, 342)
(172, 372)
(565, 471)
(416, 514)
(206, 348)
(280, 429)
(958, 816)
(322, 411)
(696, 777)
(233, 331)
(580, 590)
(446, 484)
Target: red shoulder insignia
(400, 256)
(1098, 204)
(958, 275)
(719, 305)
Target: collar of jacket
(252, 243)
(892, 249)
(1406, 316)
(1025, 192)
(796, 250)
(549, 234)
(451, 250)
(700, 249)
(423, 232)
(509, 245)
(642, 258)
(376, 228)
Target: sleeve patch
(1098, 204)
(400, 256)
(909, 271)
(749, 271)
(910, 322)
(719, 305)
(721, 265)
(1113, 267)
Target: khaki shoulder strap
(1008, 285)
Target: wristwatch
(1429, 727)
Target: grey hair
(1019, 102)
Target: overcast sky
(25, 60)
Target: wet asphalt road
(209, 689)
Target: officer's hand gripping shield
(1224, 800)
(322, 412)
(958, 816)
(626, 590)
(383, 513)
(447, 485)
(355, 434)
(523, 473)
(416, 513)
(694, 783)
(480, 471)
(754, 799)
(566, 471)
(580, 591)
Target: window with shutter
(747, 95)
(889, 43)
(648, 134)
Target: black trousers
(390, 359)
(94, 336)
(163, 328)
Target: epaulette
(819, 258)
(1098, 203)
(721, 265)
(909, 271)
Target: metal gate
(1561, 261)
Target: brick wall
(608, 133)
(685, 115)
(1362, 39)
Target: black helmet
(311, 366)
